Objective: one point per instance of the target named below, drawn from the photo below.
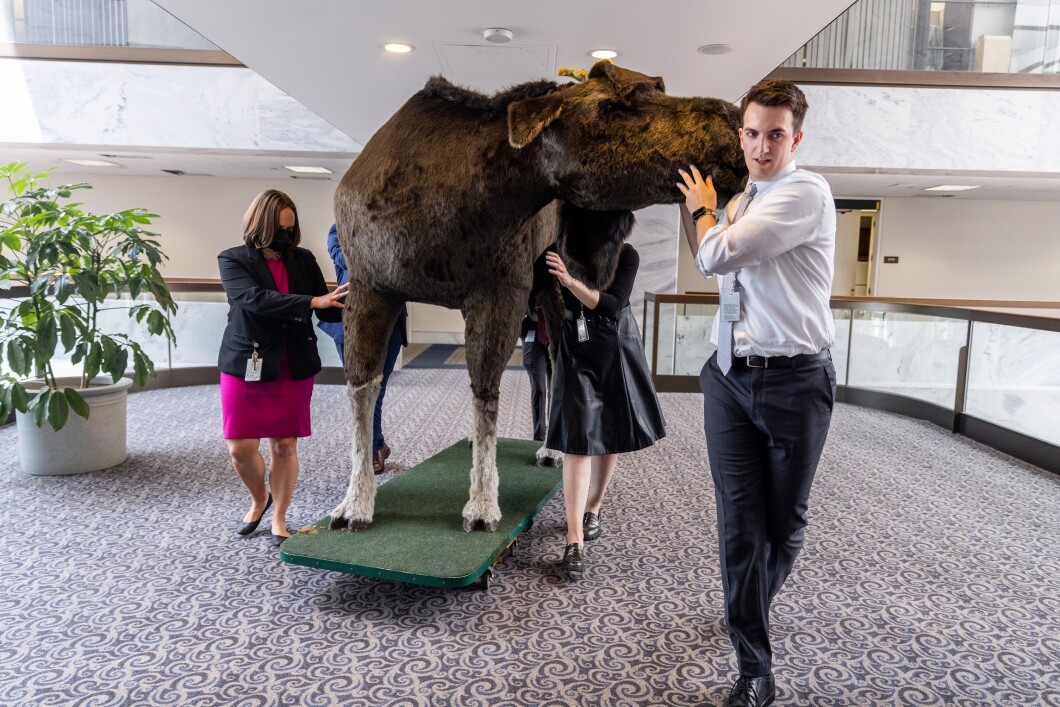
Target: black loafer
(277, 540)
(573, 560)
(591, 526)
(248, 528)
(752, 692)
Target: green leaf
(19, 397)
(77, 403)
(40, 406)
(155, 322)
(68, 333)
(17, 357)
(58, 410)
(79, 353)
(5, 402)
(141, 367)
(94, 361)
(88, 287)
(48, 337)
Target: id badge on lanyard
(254, 365)
(730, 304)
(583, 327)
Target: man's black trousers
(539, 366)
(765, 431)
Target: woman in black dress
(603, 402)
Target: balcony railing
(988, 370)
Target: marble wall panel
(884, 127)
(169, 106)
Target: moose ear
(527, 118)
(624, 82)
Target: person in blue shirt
(380, 449)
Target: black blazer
(263, 320)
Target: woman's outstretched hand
(332, 299)
(557, 268)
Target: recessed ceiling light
(712, 49)
(498, 35)
(952, 187)
(603, 54)
(398, 47)
(308, 170)
(91, 163)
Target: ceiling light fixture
(714, 49)
(953, 187)
(498, 35)
(398, 47)
(603, 54)
(308, 170)
(91, 163)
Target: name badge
(254, 368)
(530, 337)
(730, 306)
(583, 329)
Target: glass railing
(202, 313)
(1001, 36)
(96, 23)
(987, 371)
(990, 372)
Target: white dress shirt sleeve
(787, 216)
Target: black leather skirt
(603, 401)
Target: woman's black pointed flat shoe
(277, 540)
(248, 528)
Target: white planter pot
(81, 445)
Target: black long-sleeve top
(612, 300)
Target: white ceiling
(326, 54)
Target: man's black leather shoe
(248, 528)
(590, 526)
(752, 692)
(573, 561)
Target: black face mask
(282, 239)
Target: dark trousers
(393, 348)
(539, 366)
(765, 432)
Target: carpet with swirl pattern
(930, 576)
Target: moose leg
(367, 321)
(492, 327)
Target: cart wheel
(485, 580)
(514, 547)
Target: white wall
(967, 249)
(201, 216)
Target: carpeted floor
(447, 356)
(931, 576)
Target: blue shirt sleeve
(336, 255)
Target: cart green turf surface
(416, 535)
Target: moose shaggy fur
(453, 199)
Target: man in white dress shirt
(769, 390)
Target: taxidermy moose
(453, 199)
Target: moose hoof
(351, 524)
(471, 524)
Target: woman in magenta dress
(269, 353)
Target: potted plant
(67, 272)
